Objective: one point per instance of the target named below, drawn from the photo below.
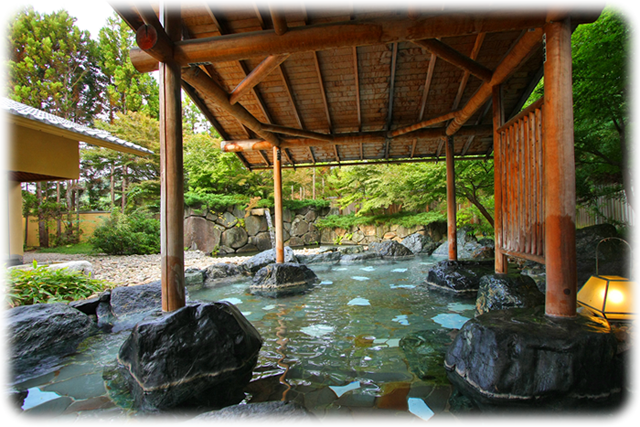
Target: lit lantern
(612, 297)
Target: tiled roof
(28, 112)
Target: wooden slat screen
(520, 148)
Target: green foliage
(136, 233)
(405, 219)
(77, 248)
(219, 202)
(42, 285)
(53, 65)
(299, 204)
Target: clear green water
(336, 349)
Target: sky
(91, 15)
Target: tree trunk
(485, 213)
(68, 228)
(42, 224)
(58, 214)
(113, 188)
(124, 187)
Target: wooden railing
(519, 150)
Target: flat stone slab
(264, 411)
(523, 357)
(280, 280)
(459, 276)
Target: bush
(405, 219)
(134, 234)
(220, 202)
(42, 285)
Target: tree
(126, 89)
(600, 88)
(53, 66)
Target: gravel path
(134, 269)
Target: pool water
(338, 349)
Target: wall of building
(89, 221)
(29, 150)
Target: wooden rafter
(465, 77)
(357, 88)
(334, 35)
(427, 86)
(335, 151)
(467, 145)
(265, 159)
(256, 76)
(313, 156)
(279, 21)
(413, 147)
(298, 132)
(323, 93)
(423, 124)
(392, 85)
(452, 56)
(421, 159)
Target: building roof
(30, 117)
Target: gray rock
(329, 256)
(246, 249)
(199, 355)
(255, 224)
(503, 291)
(227, 220)
(87, 306)
(193, 277)
(262, 411)
(41, 334)
(483, 252)
(83, 267)
(226, 250)
(235, 237)
(459, 276)
(299, 227)
(537, 272)
(296, 242)
(358, 257)
(390, 249)
(200, 234)
(349, 250)
(262, 241)
(280, 280)
(466, 244)
(264, 258)
(135, 299)
(214, 273)
(311, 238)
(310, 216)
(419, 244)
(286, 215)
(523, 357)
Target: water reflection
(281, 330)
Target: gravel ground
(135, 269)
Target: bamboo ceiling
(341, 86)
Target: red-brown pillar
(559, 177)
(277, 196)
(171, 175)
(451, 202)
(498, 120)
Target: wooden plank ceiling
(368, 102)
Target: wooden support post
(171, 175)
(277, 195)
(559, 176)
(451, 202)
(498, 121)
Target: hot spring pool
(337, 349)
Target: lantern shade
(608, 296)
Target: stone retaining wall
(233, 231)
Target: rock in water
(502, 291)
(201, 355)
(523, 357)
(279, 280)
(419, 244)
(459, 276)
(390, 249)
(266, 414)
(267, 257)
(41, 334)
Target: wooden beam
(427, 86)
(392, 85)
(387, 143)
(361, 151)
(451, 202)
(423, 124)
(128, 13)
(467, 145)
(357, 89)
(256, 76)
(297, 132)
(465, 77)
(265, 158)
(527, 93)
(454, 57)
(279, 21)
(421, 159)
(191, 92)
(244, 161)
(559, 174)
(323, 93)
(313, 156)
(413, 147)
(171, 177)
(210, 89)
(155, 44)
(277, 201)
(414, 9)
(335, 151)
(335, 35)
(501, 265)
(287, 89)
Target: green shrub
(219, 202)
(42, 285)
(405, 219)
(136, 233)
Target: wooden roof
(338, 86)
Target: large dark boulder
(467, 244)
(631, 386)
(390, 249)
(280, 280)
(358, 257)
(503, 291)
(265, 258)
(220, 271)
(201, 355)
(419, 244)
(523, 357)
(262, 411)
(41, 334)
(459, 276)
(613, 255)
(328, 257)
